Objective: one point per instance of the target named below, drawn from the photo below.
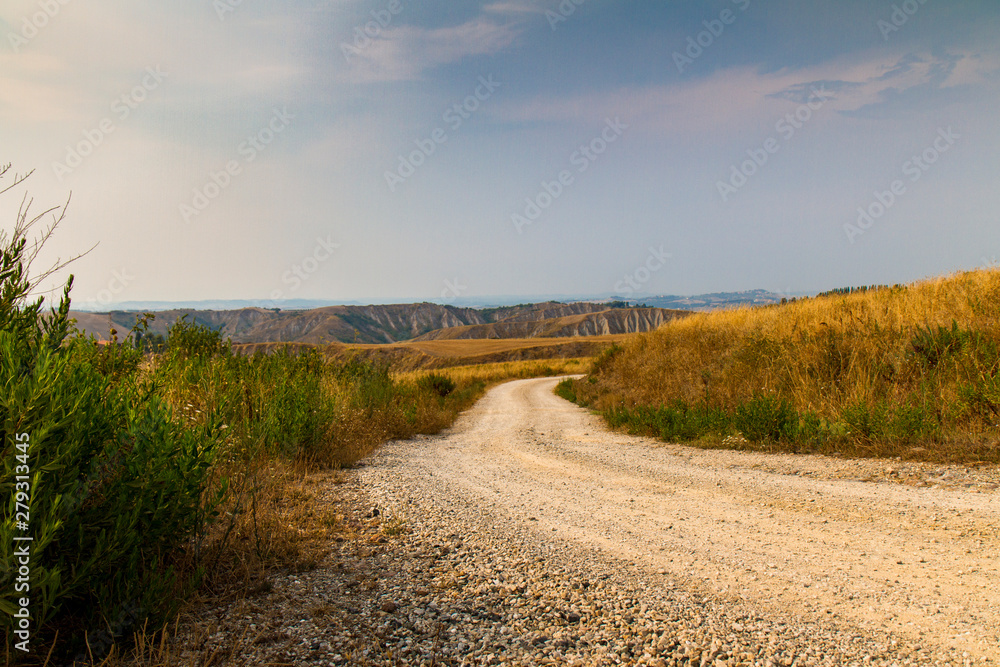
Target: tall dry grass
(489, 374)
(907, 371)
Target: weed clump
(438, 384)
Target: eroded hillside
(394, 323)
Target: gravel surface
(530, 535)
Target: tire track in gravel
(921, 563)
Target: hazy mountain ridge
(425, 321)
(347, 324)
(483, 303)
(601, 323)
(715, 301)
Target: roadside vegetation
(155, 472)
(155, 477)
(905, 371)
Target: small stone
(389, 607)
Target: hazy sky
(396, 149)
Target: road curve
(788, 535)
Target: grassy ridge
(911, 371)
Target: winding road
(826, 539)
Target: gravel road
(530, 534)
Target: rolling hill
(393, 323)
(601, 323)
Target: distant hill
(601, 323)
(698, 302)
(714, 301)
(234, 323)
(211, 304)
(379, 324)
(385, 324)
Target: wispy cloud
(800, 93)
(514, 8)
(858, 88)
(922, 82)
(408, 53)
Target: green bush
(677, 422)
(370, 380)
(565, 389)
(605, 358)
(438, 384)
(766, 418)
(116, 483)
(188, 339)
(866, 421)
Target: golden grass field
(505, 370)
(481, 347)
(893, 370)
(439, 354)
(413, 355)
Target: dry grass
(480, 347)
(274, 518)
(437, 354)
(505, 370)
(829, 356)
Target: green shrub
(438, 384)
(677, 422)
(866, 421)
(982, 396)
(188, 339)
(605, 358)
(766, 418)
(913, 422)
(565, 389)
(370, 381)
(116, 483)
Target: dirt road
(833, 542)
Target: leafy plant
(766, 418)
(188, 339)
(565, 390)
(439, 384)
(116, 484)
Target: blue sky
(395, 150)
